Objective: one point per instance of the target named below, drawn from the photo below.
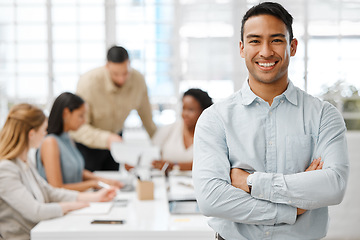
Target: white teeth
(267, 64)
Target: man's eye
(254, 41)
(277, 40)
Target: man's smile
(267, 65)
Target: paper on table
(94, 208)
(181, 188)
(128, 152)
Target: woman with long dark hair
(58, 160)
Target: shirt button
(267, 233)
(289, 201)
(282, 101)
(257, 104)
(270, 142)
(260, 196)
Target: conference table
(142, 219)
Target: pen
(165, 166)
(186, 184)
(103, 185)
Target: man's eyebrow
(278, 35)
(252, 36)
(258, 36)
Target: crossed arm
(276, 197)
(239, 178)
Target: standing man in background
(111, 92)
(253, 170)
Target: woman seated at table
(25, 198)
(176, 140)
(58, 160)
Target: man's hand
(238, 179)
(317, 164)
(113, 138)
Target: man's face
(266, 49)
(119, 72)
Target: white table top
(147, 219)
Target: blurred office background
(46, 44)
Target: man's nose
(266, 50)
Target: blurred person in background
(176, 140)
(58, 160)
(111, 92)
(25, 197)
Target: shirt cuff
(262, 186)
(286, 214)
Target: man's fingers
(320, 166)
(314, 165)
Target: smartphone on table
(108, 222)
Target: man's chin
(267, 78)
(118, 85)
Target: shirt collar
(109, 85)
(249, 96)
(291, 93)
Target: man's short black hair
(117, 54)
(201, 96)
(269, 8)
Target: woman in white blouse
(25, 197)
(176, 140)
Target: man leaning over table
(111, 92)
(253, 170)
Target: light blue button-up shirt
(278, 143)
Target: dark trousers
(97, 159)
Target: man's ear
(293, 47)
(241, 45)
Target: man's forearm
(91, 137)
(220, 199)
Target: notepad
(94, 208)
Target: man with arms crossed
(253, 152)
(111, 92)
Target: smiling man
(270, 159)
